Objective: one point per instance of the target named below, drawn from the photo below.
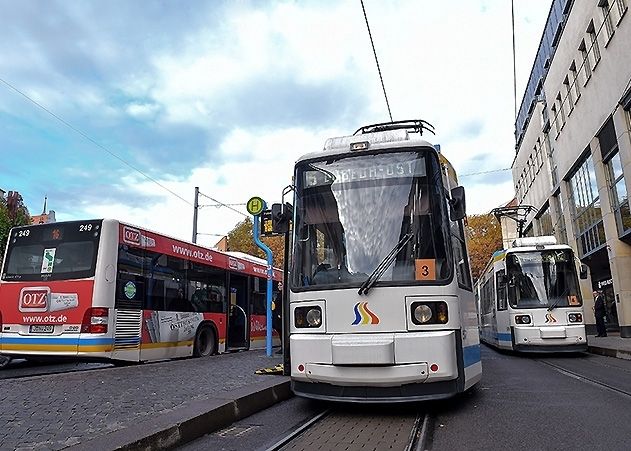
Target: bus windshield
(52, 251)
(352, 211)
(542, 279)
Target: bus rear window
(52, 252)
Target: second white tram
(381, 301)
(529, 298)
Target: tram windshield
(352, 211)
(542, 279)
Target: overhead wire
(90, 139)
(372, 43)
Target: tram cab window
(352, 212)
(500, 287)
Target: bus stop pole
(268, 253)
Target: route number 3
(425, 269)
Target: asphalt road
(576, 402)
(524, 403)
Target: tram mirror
(281, 216)
(457, 204)
(583, 273)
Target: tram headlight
(429, 313)
(522, 319)
(305, 317)
(314, 317)
(422, 313)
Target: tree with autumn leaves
(13, 213)
(240, 239)
(485, 237)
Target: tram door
(238, 314)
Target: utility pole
(195, 208)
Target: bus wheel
(205, 343)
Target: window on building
(575, 85)
(593, 39)
(619, 197)
(560, 230)
(622, 7)
(544, 222)
(551, 159)
(615, 177)
(587, 65)
(586, 210)
(606, 12)
(568, 95)
(561, 109)
(553, 114)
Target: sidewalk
(611, 345)
(147, 406)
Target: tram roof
(391, 139)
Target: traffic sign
(255, 205)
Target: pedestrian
(599, 313)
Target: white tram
(529, 298)
(381, 305)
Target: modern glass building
(572, 132)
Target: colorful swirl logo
(550, 318)
(363, 315)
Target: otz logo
(363, 315)
(34, 299)
(131, 236)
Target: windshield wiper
(553, 305)
(384, 264)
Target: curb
(609, 352)
(196, 419)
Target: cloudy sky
(153, 98)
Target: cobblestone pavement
(60, 410)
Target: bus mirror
(457, 205)
(583, 273)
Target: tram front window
(542, 279)
(352, 211)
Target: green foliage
(22, 217)
(240, 239)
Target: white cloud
(449, 63)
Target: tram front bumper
(550, 338)
(375, 360)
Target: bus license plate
(41, 329)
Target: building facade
(573, 161)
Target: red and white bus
(102, 289)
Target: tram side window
(461, 258)
(500, 290)
(259, 295)
(487, 296)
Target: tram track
(586, 379)
(340, 430)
